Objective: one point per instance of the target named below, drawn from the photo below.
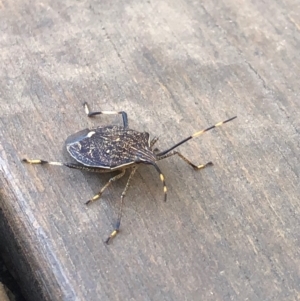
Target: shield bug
(118, 148)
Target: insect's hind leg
(98, 195)
(91, 114)
(196, 167)
(118, 223)
(66, 164)
(44, 162)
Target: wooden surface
(229, 232)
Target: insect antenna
(194, 136)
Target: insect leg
(98, 195)
(117, 227)
(153, 141)
(66, 164)
(196, 167)
(162, 178)
(90, 114)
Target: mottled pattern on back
(110, 147)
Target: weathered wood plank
(230, 232)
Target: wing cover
(109, 147)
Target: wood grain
(229, 232)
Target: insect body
(117, 148)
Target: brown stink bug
(117, 148)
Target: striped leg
(66, 164)
(196, 167)
(98, 195)
(91, 114)
(118, 223)
(153, 141)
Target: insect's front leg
(196, 167)
(153, 141)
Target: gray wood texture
(229, 232)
